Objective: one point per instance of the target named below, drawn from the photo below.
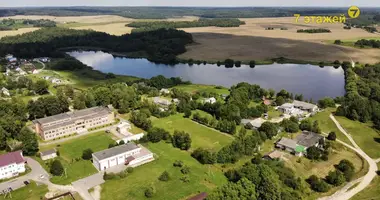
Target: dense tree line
(318, 30)
(362, 99)
(40, 22)
(265, 180)
(14, 134)
(160, 45)
(170, 12)
(154, 25)
(368, 43)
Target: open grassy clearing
(327, 125)
(203, 178)
(305, 167)
(363, 134)
(372, 191)
(201, 136)
(70, 156)
(194, 88)
(29, 192)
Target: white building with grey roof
(64, 124)
(127, 154)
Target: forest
(160, 46)
(362, 99)
(14, 24)
(368, 43)
(170, 12)
(319, 30)
(153, 25)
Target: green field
(327, 125)
(203, 178)
(363, 134)
(193, 88)
(371, 192)
(201, 136)
(29, 192)
(70, 156)
(351, 42)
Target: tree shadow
(377, 140)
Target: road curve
(343, 194)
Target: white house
(5, 91)
(127, 154)
(123, 127)
(309, 107)
(49, 154)
(165, 91)
(132, 137)
(56, 81)
(211, 100)
(11, 164)
(161, 102)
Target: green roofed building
(299, 145)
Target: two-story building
(72, 122)
(11, 164)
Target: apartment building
(72, 122)
(11, 164)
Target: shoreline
(143, 55)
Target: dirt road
(344, 193)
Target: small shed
(49, 154)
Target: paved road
(344, 193)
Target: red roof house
(11, 158)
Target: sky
(212, 3)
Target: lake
(310, 80)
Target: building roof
(161, 101)
(308, 139)
(245, 121)
(289, 143)
(10, 158)
(108, 153)
(123, 124)
(304, 105)
(274, 154)
(257, 122)
(287, 105)
(71, 117)
(300, 149)
(48, 152)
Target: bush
(185, 179)
(204, 156)
(164, 176)
(335, 178)
(149, 192)
(181, 140)
(87, 154)
(56, 168)
(331, 136)
(229, 63)
(185, 170)
(187, 113)
(178, 163)
(129, 170)
(347, 168)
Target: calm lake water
(311, 81)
